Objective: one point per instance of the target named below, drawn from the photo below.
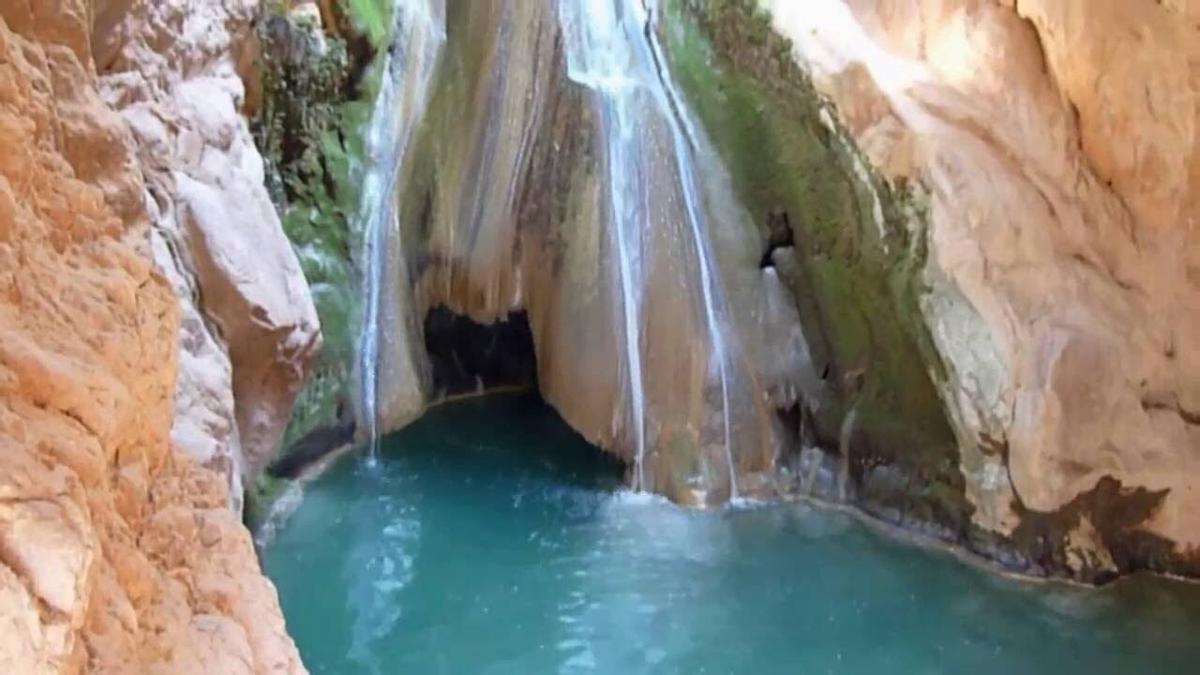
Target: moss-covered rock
(859, 247)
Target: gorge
(934, 264)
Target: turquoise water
(490, 539)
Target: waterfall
(612, 50)
(418, 36)
(845, 435)
(599, 57)
(713, 312)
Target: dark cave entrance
(467, 357)
(496, 362)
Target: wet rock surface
(655, 333)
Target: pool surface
(489, 538)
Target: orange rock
(97, 575)
(1058, 143)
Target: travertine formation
(118, 553)
(663, 343)
(1058, 142)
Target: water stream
(491, 539)
(408, 72)
(612, 50)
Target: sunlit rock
(1058, 146)
(249, 330)
(119, 554)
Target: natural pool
(489, 538)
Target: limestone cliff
(1047, 274)
(119, 553)
(176, 72)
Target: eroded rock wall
(118, 554)
(1050, 149)
(1058, 144)
(177, 73)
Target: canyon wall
(176, 72)
(120, 552)
(1044, 258)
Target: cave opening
(468, 357)
(488, 361)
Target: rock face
(605, 218)
(1050, 149)
(248, 330)
(1059, 147)
(119, 554)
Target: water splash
(419, 35)
(612, 49)
(379, 565)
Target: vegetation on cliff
(319, 76)
(318, 87)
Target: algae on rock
(854, 269)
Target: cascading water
(600, 56)
(419, 35)
(613, 51)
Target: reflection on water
(490, 539)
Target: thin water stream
(611, 49)
(408, 73)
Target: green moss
(372, 18)
(858, 285)
(317, 103)
(259, 498)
